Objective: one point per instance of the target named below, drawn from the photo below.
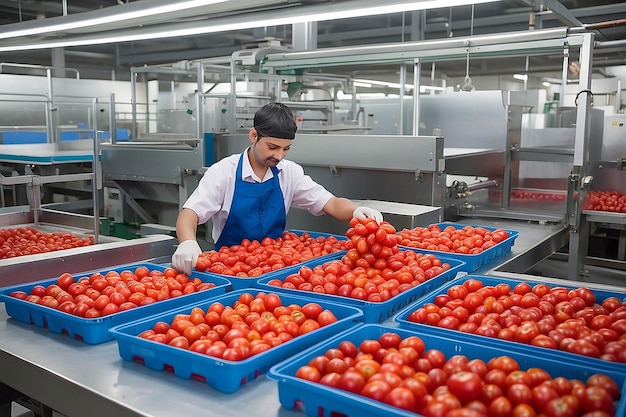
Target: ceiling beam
(562, 13)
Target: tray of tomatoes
(474, 245)
(578, 324)
(27, 240)
(230, 340)
(375, 274)
(602, 200)
(376, 370)
(244, 264)
(86, 305)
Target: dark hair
(275, 120)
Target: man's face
(270, 151)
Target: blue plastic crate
(223, 375)
(96, 330)
(374, 312)
(473, 262)
(317, 400)
(245, 282)
(402, 319)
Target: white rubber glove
(186, 256)
(366, 212)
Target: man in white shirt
(248, 195)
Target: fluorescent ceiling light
(521, 77)
(381, 83)
(120, 17)
(362, 84)
(546, 84)
(294, 15)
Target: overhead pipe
(610, 44)
(460, 42)
(606, 25)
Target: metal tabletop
(77, 379)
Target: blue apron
(257, 210)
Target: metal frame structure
(538, 42)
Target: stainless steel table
(77, 379)
(81, 380)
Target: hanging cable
(467, 86)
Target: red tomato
(370, 346)
(110, 308)
(367, 367)
(21, 295)
(308, 326)
(351, 381)
(348, 348)
(538, 376)
(436, 357)
(401, 397)
(330, 379)
(490, 392)
(326, 317)
(500, 407)
(65, 280)
(376, 389)
(309, 373)
(504, 363)
(559, 408)
(519, 394)
(606, 382)
(522, 288)
(67, 307)
(390, 340)
(466, 386)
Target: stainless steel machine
(398, 169)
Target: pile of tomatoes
(540, 315)
(403, 373)
(253, 324)
(538, 195)
(373, 269)
(605, 201)
(29, 241)
(101, 295)
(465, 240)
(253, 258)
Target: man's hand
(186, 256)
(366, 212)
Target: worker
(248, 195)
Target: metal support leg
(578, 246)
(7, 396)
(621, 246)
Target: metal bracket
(573, 185)
(334, 170)
(586, 182)
(620, 164)
(419, 177)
